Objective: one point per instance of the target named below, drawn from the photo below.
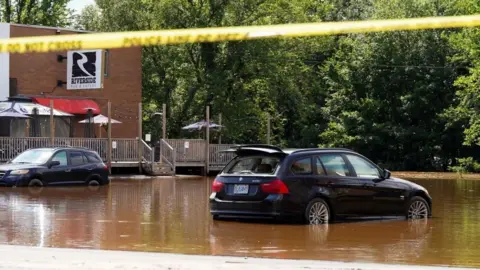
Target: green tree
(464, 114)
(405, 99)
(36, 12)
(244, 81)
(388, 89)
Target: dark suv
(316, 185)
(54, 166)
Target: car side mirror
(386, 175)
(54, 163)
(378, 180)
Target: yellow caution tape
(164, 37)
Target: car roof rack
(318, 149)
(66, 146)
(266, 146)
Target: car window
(334, 165)
(77, 158)
(320, 170)
(254, 165)
(61, 157)
(92, 158)
(302, 166)
(362, 167)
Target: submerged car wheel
(35, 183)
(93, 182)
(317, 212)
(418, 208)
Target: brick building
(46, 76)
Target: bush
(465, 165)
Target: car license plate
(240, 189)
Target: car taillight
(275, 187)
(217, 186)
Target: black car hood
(408, 183)
(11, 166)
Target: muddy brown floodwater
(173, 216)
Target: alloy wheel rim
(318, 214)
(418, 210)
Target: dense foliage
(36, 12)
(408, 100)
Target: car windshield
(34, 156)
(254, 165)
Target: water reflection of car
(382, 241)
(316, 185)
(54, 166)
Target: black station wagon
(316, 185)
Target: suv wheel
(93, 182)
(317, 212)
(35, 183)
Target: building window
(106, 62)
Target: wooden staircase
(162, 169)
(166, 164)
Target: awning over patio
(72, 106)
(28, 108)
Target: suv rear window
(254, 165)
(92, 157)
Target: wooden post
(109, 132)
(220, 128)
(52, 124)
(140, 139)
(268, 127)
(207, 142)
(164, 121)
(164, 130)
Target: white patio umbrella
(101, 120)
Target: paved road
(22, 257)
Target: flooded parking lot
(173, 216)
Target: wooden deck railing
(98, 145)
(11, 147)
(217, 158)
(173, 151)
(188, 150)
(125, 150)
(168, 154)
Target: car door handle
(68, 170)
